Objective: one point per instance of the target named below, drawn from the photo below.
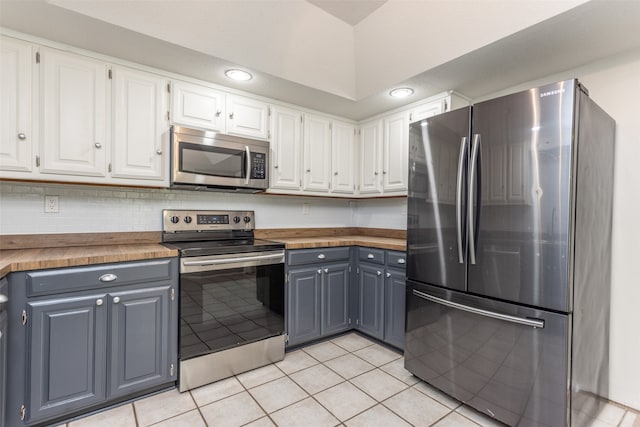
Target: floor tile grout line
(199, 410)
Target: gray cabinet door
(67, 367)
(394, 311)
(371, 297)
(141, 341)
(335, 298)
(304, 305)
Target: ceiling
(342, 57)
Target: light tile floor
(347, 381)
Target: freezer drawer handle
(536, 323)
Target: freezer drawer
(507, 361)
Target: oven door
(209, 159)
(230, 300)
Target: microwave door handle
(247, 164)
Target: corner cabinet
(317, 293)
(92, 335)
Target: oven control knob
(247, 219)
(175, 219)
(187, 219)
(236, 219)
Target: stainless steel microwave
(205, 160)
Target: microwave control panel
(258, 165)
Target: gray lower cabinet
(371, 299)
(90, 336)
(394, 308)
(318, 293)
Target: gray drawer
(96, 276)
(396, 259)
(371, 255)
(321, 255)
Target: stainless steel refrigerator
(509, 224)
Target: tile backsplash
(84, 209)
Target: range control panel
(189, 220)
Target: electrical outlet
(51, 204)
(305, 209)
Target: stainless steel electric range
(231, 294)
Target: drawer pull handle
(116, 300)
(326, 270)
(108, 277)
(319, 271)
(321, 256)
(388, 275)
(370, 256)
(401, 261)
(99, 302)
(379, 273)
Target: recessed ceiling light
(239, 75)
(401, 92)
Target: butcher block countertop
(36, 252)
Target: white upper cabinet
(343, 157)
(286, 149)
(16, 131)
(73, 134)
(317, 153)
(371, 157)
(198, 106)
(140, 130)
(395, 152)
(427, 110)
(247, 117)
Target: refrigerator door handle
(461, 156)
(536, 323)
(470, 216)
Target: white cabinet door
(427, 110)
(317, 153)
(198, 106)
(395, 152)
(16, 136)
(247, 117)
(286, 147)
(343, 157)
(73, 100)
(371, 157)
(139, 126)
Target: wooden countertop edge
(38, 259)
(332, 241)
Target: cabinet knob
(231, 116)
(321, 256)
(98, 145)
(370, 256)
(375, 173)
(319, 271)
(326, 270)
(308, 170)
(384, 172)
(108, 277)
(99, 302)
(218, 113)
(22, 136)
(388, 274)
(159, 152)
(335, 173)
(379, 273)
(116, 300)
(275, 167)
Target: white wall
(85, 209)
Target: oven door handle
(232, 260)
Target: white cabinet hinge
(410, 116)
(169, 87)
(301, 119)
(23, 318)
(23, 412)
(171, 370)
(38, 161)
(109, 168)
(268, 134)
(168, 117)
(269, 111)
(445, 105)
(37, 57)
(110, 74)
(173, 294)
